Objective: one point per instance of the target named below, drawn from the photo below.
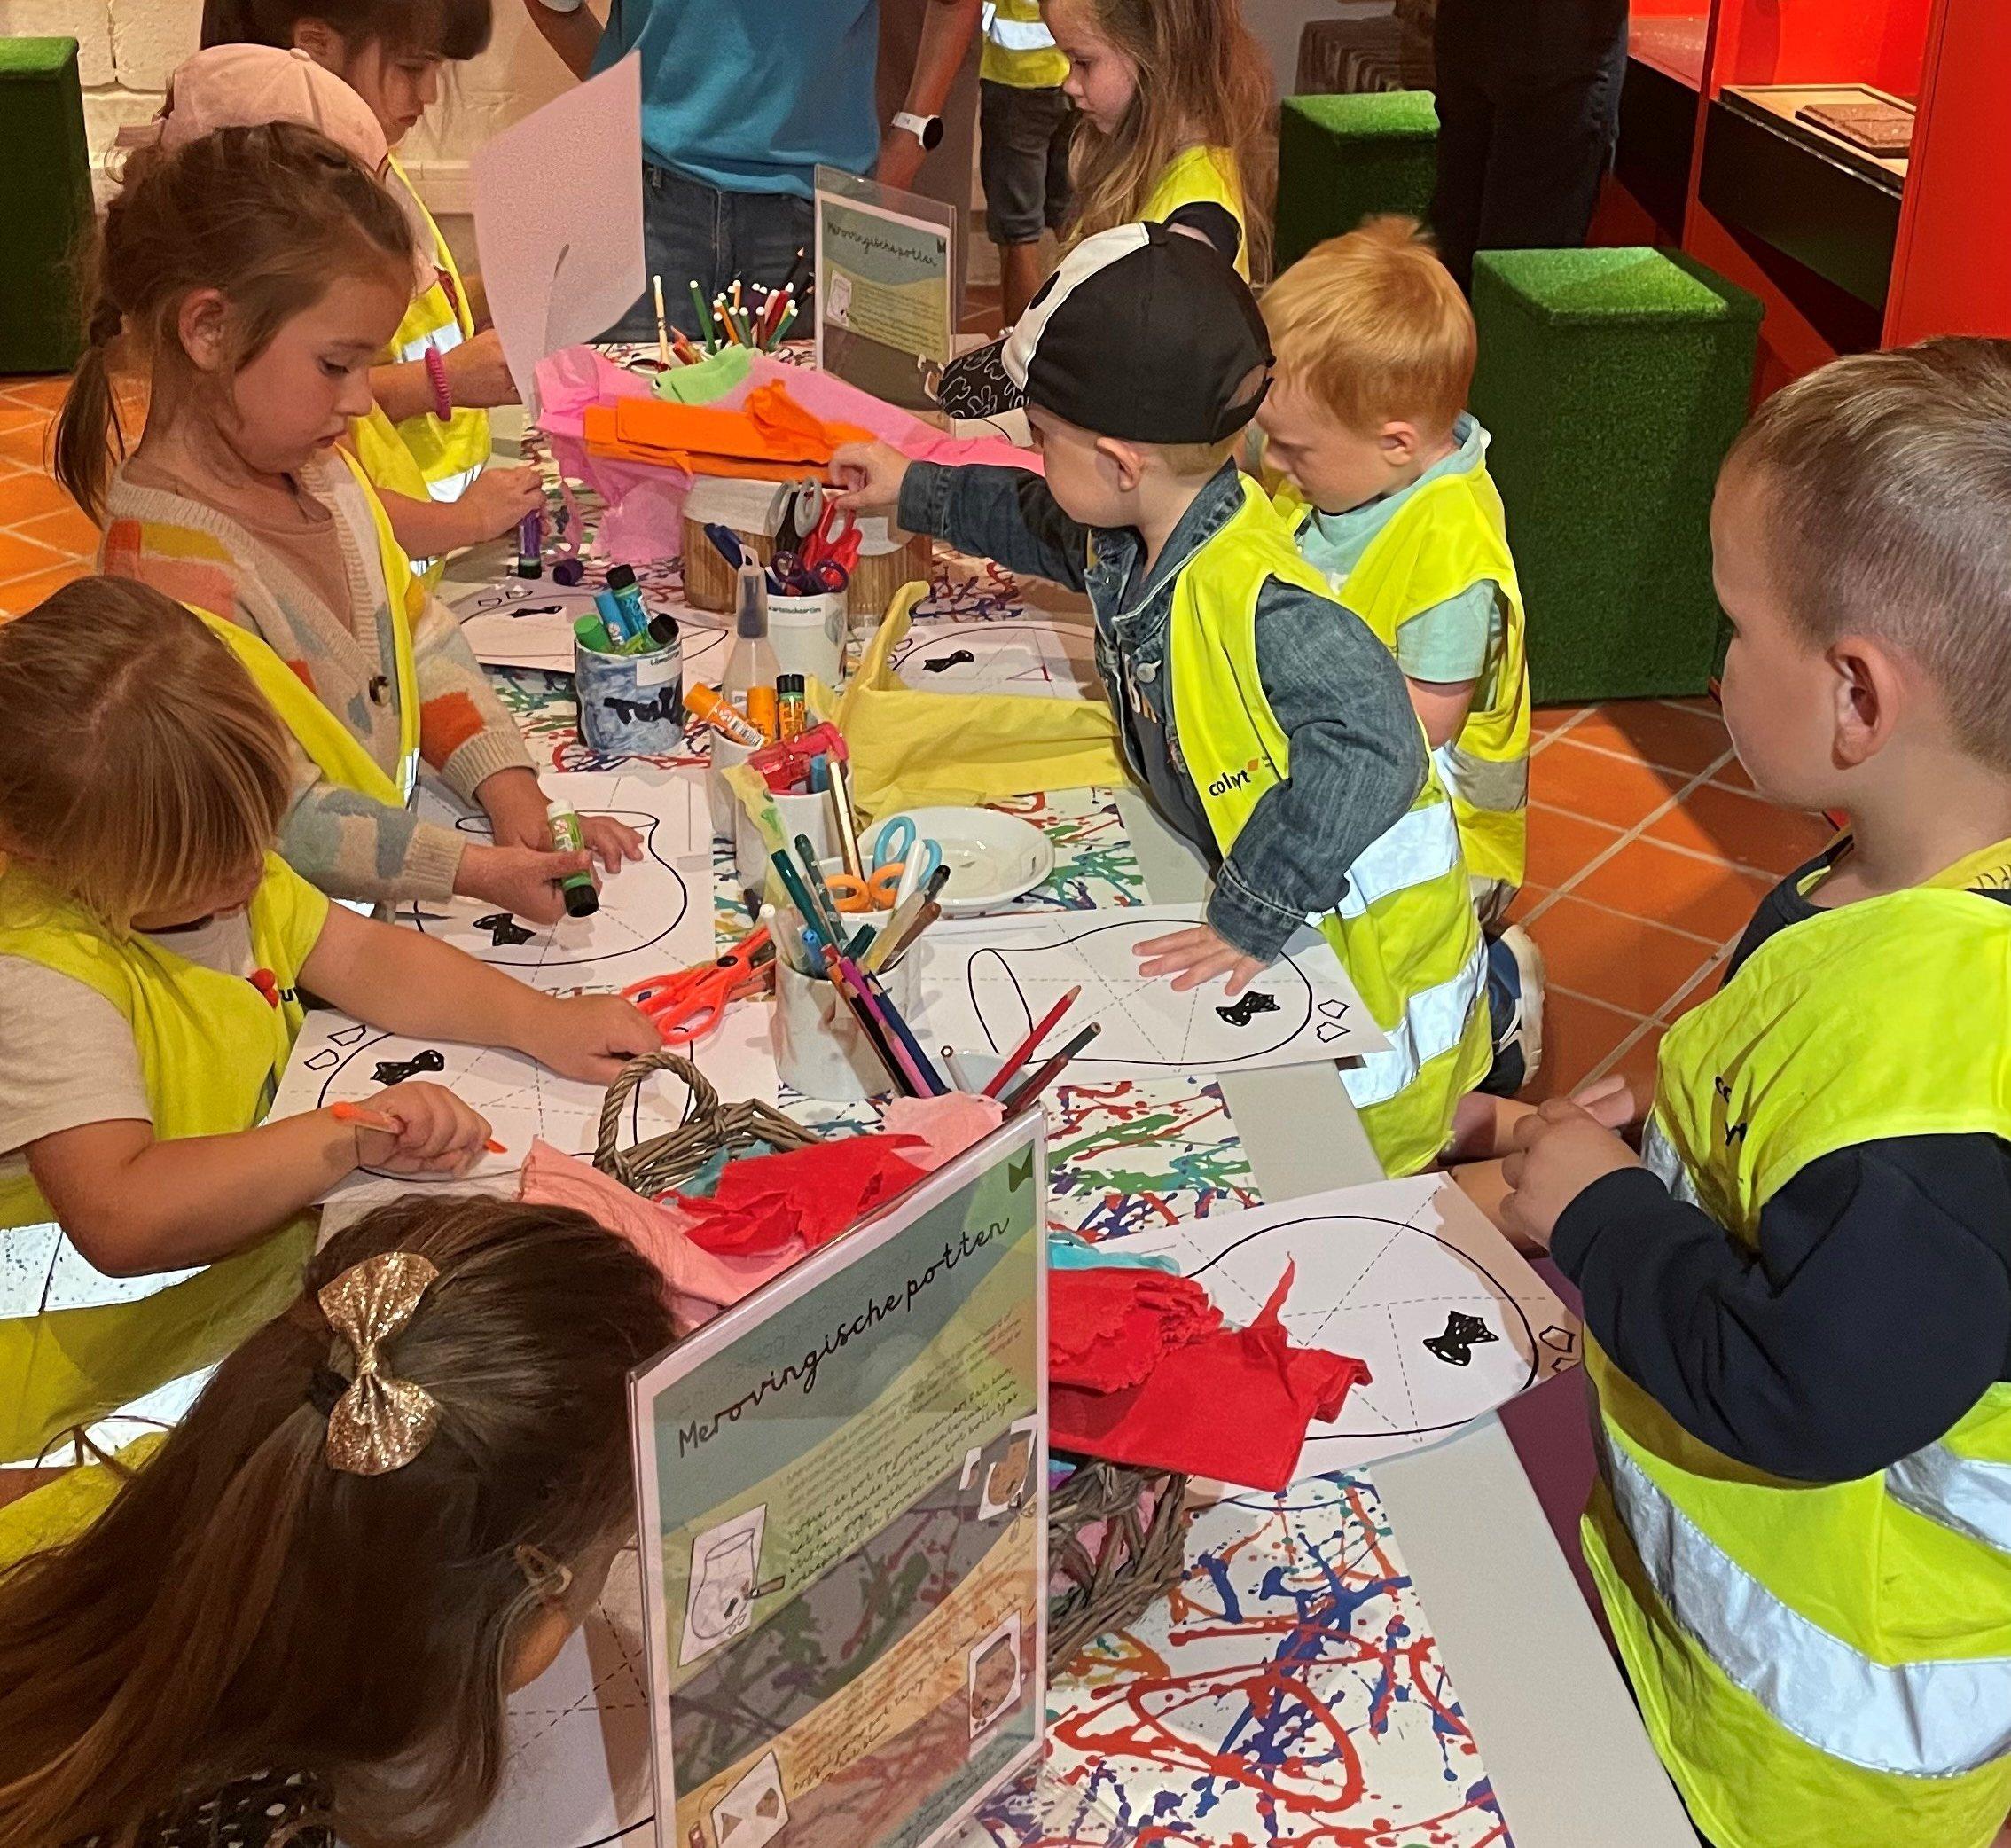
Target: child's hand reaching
(1557, 1152)
(1193, 956)
(869, 475)
(436, 1134)
(591, 1036)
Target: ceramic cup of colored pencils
(822, 1048)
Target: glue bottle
(568, 836)
(752, 669)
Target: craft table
(1353, 1663)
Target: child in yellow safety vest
(1385, 487)
(299, 1619)
(1798, 1297)
(249, 276)
(1268, 725)
(425, 441)
(154, 955)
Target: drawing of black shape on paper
(1242, 1012)
(395, 1071)
(665, 706)
(755, 1810)
(503, 930)
(1455, 1346)
(962, 658)
(1332, 1021)
(1144, 1027)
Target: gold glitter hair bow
(378, 1423)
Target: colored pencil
(961, 1077)
(1024, 1050)
(662, 324)
(390, 1125)
(904, 1033)
(848, 821)
(1029, 1094)
(813, 883)
(902, 916)
(799, 894)
(845, 974)
(782, 326)
(704, 319)
(869, 1028)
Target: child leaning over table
(1267, 726)
(1800, 1302)
(1387, 491)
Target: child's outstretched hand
(868, 475)
(1195, 956)
(436, 1134)
(1557, 1152)
(591, 1036)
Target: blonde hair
(267, 216)
(242, 1607)
(1372, 326)
(1887, 479)
(1203, 80)
(140, 768)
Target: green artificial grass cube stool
(1344, 159)
(45, 200)
(1613, 382)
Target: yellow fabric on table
(59, 1511)
(911, 748)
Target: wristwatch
(927, 129)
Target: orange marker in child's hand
(376, 1120)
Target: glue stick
(568, 836)
(710, 707)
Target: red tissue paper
(1107, 1329)
(813, 1193)
(1233, 1403)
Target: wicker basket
(668, 1161)
(709, 581)
(1143, 1513)
(1142, 1554)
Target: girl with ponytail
(301, 1619)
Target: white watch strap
(916, 125)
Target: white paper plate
(992, 857)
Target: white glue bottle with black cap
(752, 669)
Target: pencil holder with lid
(630, 705)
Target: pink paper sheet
(645, 503)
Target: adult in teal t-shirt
(743, 100)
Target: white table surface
(1555, 1726)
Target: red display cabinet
(1848, 160)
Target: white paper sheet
(338, 1059)
(528, 622)
(557, 212)
(984, 982)
(1043, 656)
(655, 914)
(1383, 1271)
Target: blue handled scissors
(901, 843)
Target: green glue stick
(568, 836)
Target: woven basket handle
(702, 1102)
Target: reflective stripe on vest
(1482, 782)
(1422, 846)
(1969, 1496)
(1016, 35)
(1666, 1165)
(442, 339)
(1435, 1021)
(1939, 1718)
(450, 486)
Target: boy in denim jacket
(1269, 726)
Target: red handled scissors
(835, 538)
(686, 1006)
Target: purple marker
(530, 545)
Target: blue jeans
(692, 229)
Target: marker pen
(568, 836)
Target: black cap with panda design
(1143, 333)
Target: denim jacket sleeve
(1357, 764)
(1003, 514)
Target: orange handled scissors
(686, 1006)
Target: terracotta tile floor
(1647, 849)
